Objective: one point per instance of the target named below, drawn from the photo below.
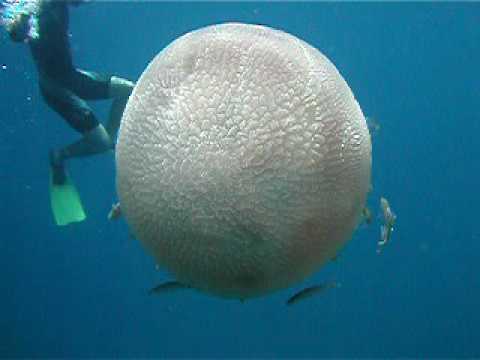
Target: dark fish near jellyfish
(167, 287)
(311, 291)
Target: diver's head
(19, 27)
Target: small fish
(389, 219)
(167, 287)
(373, 125)
(115, 212)
(310, 291)
(367, 215)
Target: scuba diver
(43, 25)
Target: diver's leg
(94, 141)
(90, 85)
(78, 114)
(120, 90)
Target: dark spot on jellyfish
(247, 281)
(189, 63)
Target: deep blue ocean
(81, 290)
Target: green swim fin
(65, 201)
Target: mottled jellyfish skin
(243, 160)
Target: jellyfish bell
(243, 160)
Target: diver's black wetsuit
(64, 87)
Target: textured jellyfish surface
(243, 160)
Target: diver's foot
(58, 168)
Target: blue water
(80, 290)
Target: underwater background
(81, 290)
